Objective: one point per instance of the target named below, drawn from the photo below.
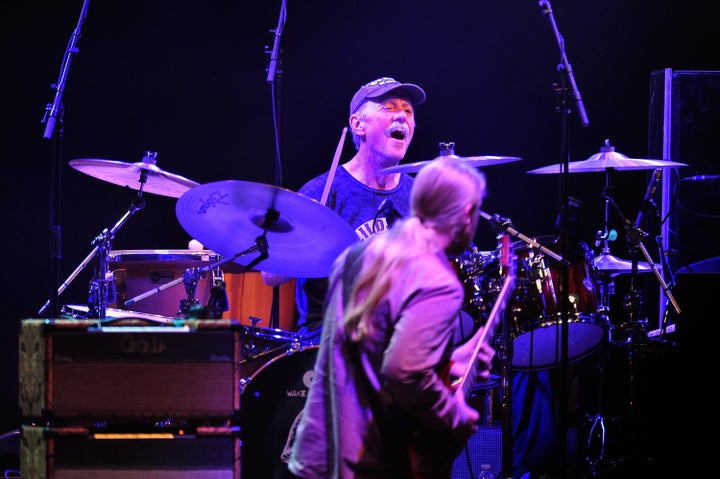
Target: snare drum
(137, 272)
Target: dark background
(188, 80)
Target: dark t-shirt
(357, 204)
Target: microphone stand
(505, 351)
(635, 236)
(567, 88)
(102, 246)
(271, 71)
(54, 114)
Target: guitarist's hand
(470, 416)
(464, 353)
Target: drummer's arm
(272, 279)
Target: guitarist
(381, 404)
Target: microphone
(693, 179)
(545, 7)
(387, 210)
(272, 67)
(547, 12)
(652, 186)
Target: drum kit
(534, 317)
(244, 224)
(249, 225)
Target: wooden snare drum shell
(139, 271)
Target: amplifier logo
(131, 344)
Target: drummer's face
(389, 125)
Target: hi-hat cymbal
(609, 263)
(158, 182)
(607, 159)
(230, 217)
(473, 161)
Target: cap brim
(414, 93)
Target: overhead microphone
(652, 186)
(272, 67)
(387, 209)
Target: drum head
(540, 348)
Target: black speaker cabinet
(483, 447)
(76, 371)
(77, 453)
(684, 119)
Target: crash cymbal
(473, 161)
(230, 217)
(609, 263)
(607, 159)
(158, 182)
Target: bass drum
(271, 403)
(260, 345)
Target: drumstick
(331, 174)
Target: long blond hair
(441, 191)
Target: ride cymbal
(607, 159)
(157, 181)
(473, 161)
(303, 237)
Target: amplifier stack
(130, 399)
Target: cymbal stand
(604, 280)
(98, 297)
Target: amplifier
(78, 453)
(71, 370)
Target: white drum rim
(114, 313)
(162, 255)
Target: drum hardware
(635, 328)
(218, 302)
(261, 345)
(505, 224)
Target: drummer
(382, 124)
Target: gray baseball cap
(382, 86)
